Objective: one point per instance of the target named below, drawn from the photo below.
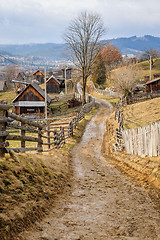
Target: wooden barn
(31, 100)
(53, 85)
(22, 77)
(21, 81)
(153, 85)
(39, 76)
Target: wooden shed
(21, 81)
(153, 85)
(39, 76)
(31, 100)
(53, 85)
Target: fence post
(150, 142)
(48, 135)
(3, 113)
(154, 153)
(71, 129)
(63, 135)
(55, 138)
(23, 135)
(39, 145)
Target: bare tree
(153, 53)
(125, 79)
(10, 73)
(82, 37)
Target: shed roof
(38, 71)
(53, 77)
(38, 89)
(23, 75)
(153, 80)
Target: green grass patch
(9, 95)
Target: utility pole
(73, 83)
(45, 93)
(65, 78)
(150, 66)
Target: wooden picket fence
(137, 141)
(106, 92)
(143, 140)
(41, 136)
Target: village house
(31, 100)
(153, 85)
(39, 76)
(22, 77)
(53, 85)
(21, 81)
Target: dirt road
(102, 203)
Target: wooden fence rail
(39, 135)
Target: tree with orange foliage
(111, 56)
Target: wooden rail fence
(39, 136)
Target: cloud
(46, 20)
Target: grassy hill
(142, 113)
(145, 68)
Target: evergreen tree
(99, 70)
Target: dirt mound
(27, 188)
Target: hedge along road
(102, 203)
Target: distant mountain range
(132, 45)
(135, 45)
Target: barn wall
(52, 87)
(30, 94)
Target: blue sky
(41, 21)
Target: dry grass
(145, 170)
(145, 68)
(30, 182)
(108, 98)
(142, 113)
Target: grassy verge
(145, 170)
(29, 184)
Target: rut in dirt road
(102, 203)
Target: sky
(45, 21)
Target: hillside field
(141, 113)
